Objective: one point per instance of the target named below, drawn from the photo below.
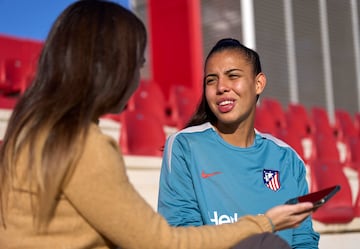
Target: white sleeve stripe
(198, 128)
(277, 141)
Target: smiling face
(231, 88)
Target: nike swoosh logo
(207, 175)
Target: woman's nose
(223, 85)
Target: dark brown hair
(86, 68)
(203, 112)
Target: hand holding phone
(318, 198)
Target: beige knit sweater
(100, 208)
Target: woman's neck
(241, 136)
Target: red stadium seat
(345, 124)
(357, 202)
(299, 122)
(8, 102)
(357, 122)
(297, 118)
(183, 104)
(347, 133)
(2, 72)
(264, 121)
(328, 145)
(321, 121)
(338, 210)
(18, 75)
(295, 141)
(150, 98)
(274, 108)
(142, 134)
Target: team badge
(271, 179)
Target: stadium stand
(347, 132)
(298, 119)
(144, 133)
(140, 133)
(357, 122)
(8, 102)
(182, 104)
(264, 121)
(2, 72)
(357, 201)
(274, 108)
(299, 123)
(17, 76)
(326, 173)
(150, 98)
(328, 145)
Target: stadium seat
(299, 122)
(142, 134)
(326, 173)
(298, 119)
(328, 145)
(357, 201)
(345, 124)
(347, 133)
(17, 76)
(295, 141)
(182, 104)
(2, 72)
(273, 107)
(150, 98)
(357, 122)
(264, 121)
(8, 102)
(321, 121)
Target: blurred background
(310, 53)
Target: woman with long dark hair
(63, 182)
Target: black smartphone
(318, 198)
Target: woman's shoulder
(97, 143)
(96, 135)
(271, 138)
(190, 132)
(196, 129)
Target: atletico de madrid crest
(272, 179)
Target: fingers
(303, 207)
(289, 216)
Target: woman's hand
(289, 216)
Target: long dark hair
(203, 112)
(85, 69)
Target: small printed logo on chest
(210, 174)
(272, 179)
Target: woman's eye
(209, 81)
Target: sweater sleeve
(101, 192)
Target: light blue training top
(205, 180)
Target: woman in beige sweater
(62, 182)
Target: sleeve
(101, 192)
(177, 200)
(304, 237)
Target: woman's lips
(226, 105)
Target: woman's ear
(260, 83)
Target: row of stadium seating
(149, 118)
(326, 148)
